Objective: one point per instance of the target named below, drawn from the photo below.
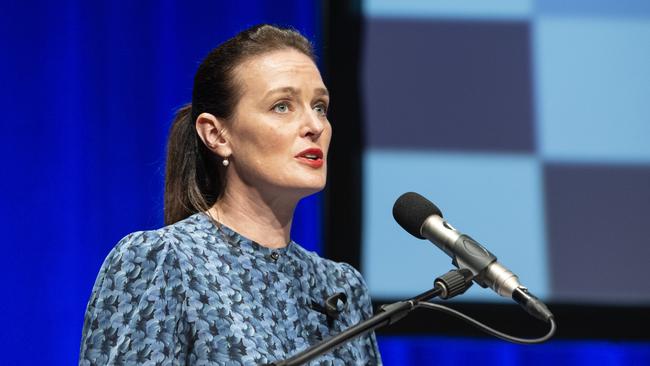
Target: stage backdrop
(528, 124)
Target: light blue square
(593, 89)
(497, 199)
(608, 8)
(461, 9)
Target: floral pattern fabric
(195, 294)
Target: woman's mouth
(312, 157)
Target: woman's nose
(314, 124)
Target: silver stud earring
(225, 162)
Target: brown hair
(194, 180)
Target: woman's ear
(212, 132)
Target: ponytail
(193, 180)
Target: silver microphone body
(464, 250)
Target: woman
(223, 283)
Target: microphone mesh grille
(410, 211)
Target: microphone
(334, 305)
(422, 219)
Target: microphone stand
(451, 284)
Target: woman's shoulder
(181, 235)
(170, 244)
(144, 257)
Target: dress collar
(237, 240)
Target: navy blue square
(597, 219)
(461, 85)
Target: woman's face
(279, 134)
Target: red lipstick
(312, 157)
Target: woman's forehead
(287, 71)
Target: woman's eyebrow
(322, 92)
(283, 90)
(319, 92)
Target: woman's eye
(321, 109)
(281, 108)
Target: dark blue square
(597, 219)
(461, 85)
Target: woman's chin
(312, 183)
(308, 188)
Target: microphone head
(411, 210)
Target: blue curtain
(466, 351)
(88, 90)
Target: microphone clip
(334, 305)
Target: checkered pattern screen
(528, 124)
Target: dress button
(275, 256)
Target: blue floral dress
(193, 293)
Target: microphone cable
(487, 329)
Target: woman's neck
(265, 221)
